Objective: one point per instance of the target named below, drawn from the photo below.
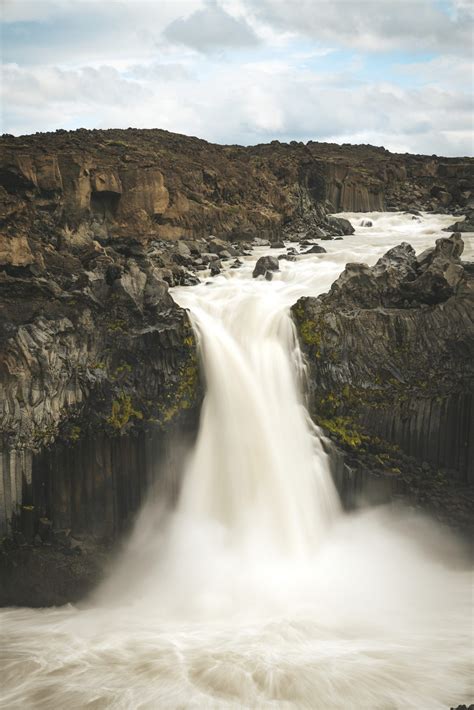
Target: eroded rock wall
(154, 184)
(391, 360)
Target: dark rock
(464, 226)
(342, 225)
(315, 249)
(366, 223)
(265, 264)
(391, 360)
(277, 245)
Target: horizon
(245, 72)
(236, 145)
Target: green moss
(116, 326)
(310, 333)
(344, 429)
(185, 395)
(122, 412)
(75, 433)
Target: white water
(257, 592)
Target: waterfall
(256, 591)
(259, 467)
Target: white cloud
(248, 103)
(278, 73)
(373, 25)
(210, 28)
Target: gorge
(156, 428)
(255, 590)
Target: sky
(397, 73)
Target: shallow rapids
(257, 591)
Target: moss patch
(122, 412)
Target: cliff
(151, 184)
(391, 370)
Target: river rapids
(257, 591)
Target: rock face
(98, 375)
(391, 359)
(151, 184)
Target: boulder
(341, 225)
(264, 265)
(315, 249)
(466, 225)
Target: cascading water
(258, 469)
(256, 592)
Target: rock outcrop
(151, 184)
(265, 265)
(391, 364)
(98, 376)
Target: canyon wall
(151, 184)
(390, 351)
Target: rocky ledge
(151, 184)
(390, 351)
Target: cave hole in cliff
(104, 204)
(316, 186)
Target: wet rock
(221, 247)
(315, 249)
(264, 265)
(391, 358)
(466, 225)
(342, 225)
(277, 245)
(366, 223)
(207, 258)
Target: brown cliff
(153, 184)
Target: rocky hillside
(64, 187)
(391, 356)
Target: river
(257, 591)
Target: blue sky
(397, 73)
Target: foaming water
(257, 592)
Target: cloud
(249, 103)
(373, 25)
(86, 31)
(243, 71)
(211, 28)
